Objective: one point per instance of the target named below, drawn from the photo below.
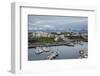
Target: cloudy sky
(57, 23)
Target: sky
(57, 23)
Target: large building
(42, 34)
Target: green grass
(42, 40)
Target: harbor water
(64, 52)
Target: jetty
(49, 45)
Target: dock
(49, 45)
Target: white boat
(46, 49)
(52, 55)
(83, 53)
(70, 44)
(41, 50)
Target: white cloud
(47, 26)
(54, 23)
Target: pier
(49, 45)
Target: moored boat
(52, 55)
(40, 50)
(83, 53)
